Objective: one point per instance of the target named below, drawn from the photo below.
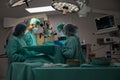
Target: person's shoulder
(72, 37)
(13, 40)
(27, 33)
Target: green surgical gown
(30, 38)
(72, 49)
(15, 50)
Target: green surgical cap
(35, 21)
(60, 26)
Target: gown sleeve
(69, 48)
(12, 51)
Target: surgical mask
(35, 30)
(62, 34)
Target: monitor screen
(105, 24)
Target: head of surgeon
(60, 27)
(19, 30)
(33, 25)
(70, 29)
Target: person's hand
(58, 43)
(39, 54)
(23, 58)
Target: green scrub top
(72, 49)
(15, 50)
(30, 38)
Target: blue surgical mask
(62, 34)
(34, 30)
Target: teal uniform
(72, 49)
(30, 38)
(15, 49)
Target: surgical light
(15, 3)
(65, 6)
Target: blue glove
(58, 43)
(37, 53)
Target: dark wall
(3, 61)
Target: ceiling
(5, 11)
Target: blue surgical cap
(70, 29)
(19, 29)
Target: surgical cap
(70, 28)
(19, 29)
(60, 26)
(35, 21)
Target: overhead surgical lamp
(14, 3)
(71, 6)
(65, 6)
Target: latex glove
(58, 43)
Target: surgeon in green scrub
(72, 48)
(60, 29)
(14, 49)
(30, 36)
(61, 37)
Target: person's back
(14, 49)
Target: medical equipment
(105, 24)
